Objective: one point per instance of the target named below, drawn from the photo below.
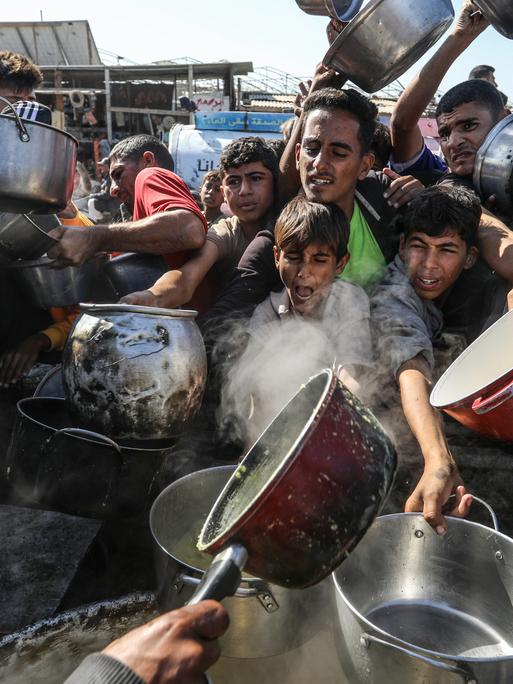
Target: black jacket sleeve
(255, 276)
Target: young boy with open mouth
(438, 243)
(318, 320)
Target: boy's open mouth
(303, 292)
(427, 283)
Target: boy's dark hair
(18, 72)
(246, 151)
(302, 223)
(476, 90)
(442, 208)
(381, 145)
(212, 176)
(481, 71)
(135, 146)
(350, 101)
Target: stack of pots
(31, 195)
(133, 376)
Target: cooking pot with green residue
(266, 620)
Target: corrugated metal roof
(51, 42)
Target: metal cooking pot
(134, 272)
(47, 287)
(493, 168)
(372, 52)
(303, 496)
(134, 371)
(417, 608)
(48, 651)
(25, 237)
(499, 13)
(344, 10)
(477, 388)
(37, 165)
(54, 463)
(265, 620)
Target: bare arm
(162, 233)
(496, 244)
(407, 139)
(440, 477)
(179, 285)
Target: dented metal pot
(134, 371)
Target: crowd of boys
(378, 258)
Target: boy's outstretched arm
(407, 139)
(441, 477)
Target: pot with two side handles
(418, 608)
(266, 619)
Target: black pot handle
(24, 136)
(222, 578)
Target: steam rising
(278, 359)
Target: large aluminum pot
(499, 13)
(25, 237)
(37, 165)
(53, 462)
(49, 650)
(417, 608)
(477, 388)
(47, 287)
(386, 38)
(134, 371)
(493, 169)
(344, 10)
(266, 620)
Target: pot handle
(24, 136)
(367, 639)
(80, 432)
(481, 406)
(493, 515)
(257, 590)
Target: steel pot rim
(86, 307)
(248, 580)
(121, 443)
(374, 629)
(29, 122)
(483, 150)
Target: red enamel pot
(477, 388)
(305, 493)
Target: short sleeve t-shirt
(366, 263)
(425, 160)
(229, 238)
(158, 189)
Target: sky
(268, 33)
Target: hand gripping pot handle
(367, 639)
(485, 405)
(24, 136)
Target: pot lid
(129, 308)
